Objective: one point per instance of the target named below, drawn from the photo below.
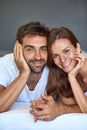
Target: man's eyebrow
(33, 46)
(28, 46)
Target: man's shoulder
(6, 59)
(7, 56)
(7, 64)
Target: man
(23, 76)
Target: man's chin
(38, 70)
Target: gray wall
(53, 13)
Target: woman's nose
(62, 58)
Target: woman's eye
(55, 56)
(67, 51)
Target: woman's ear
(78, 48)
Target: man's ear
(78, 48)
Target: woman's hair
(32, 29)
(58, 83)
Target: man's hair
(32, 28)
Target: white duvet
(19, 118)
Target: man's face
(35, 52)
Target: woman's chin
(67, 70)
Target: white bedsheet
(19, 118)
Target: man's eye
(44, 49)
(29, 49)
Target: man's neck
(33, 80)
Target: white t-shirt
(9, 71)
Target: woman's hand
(80, 61)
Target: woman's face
(63, 54)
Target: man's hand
(45, 108)
(19, 59)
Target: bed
(18, 117)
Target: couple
(53, 90)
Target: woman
(67, 81)
(68, 72)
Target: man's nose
(37, 55)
